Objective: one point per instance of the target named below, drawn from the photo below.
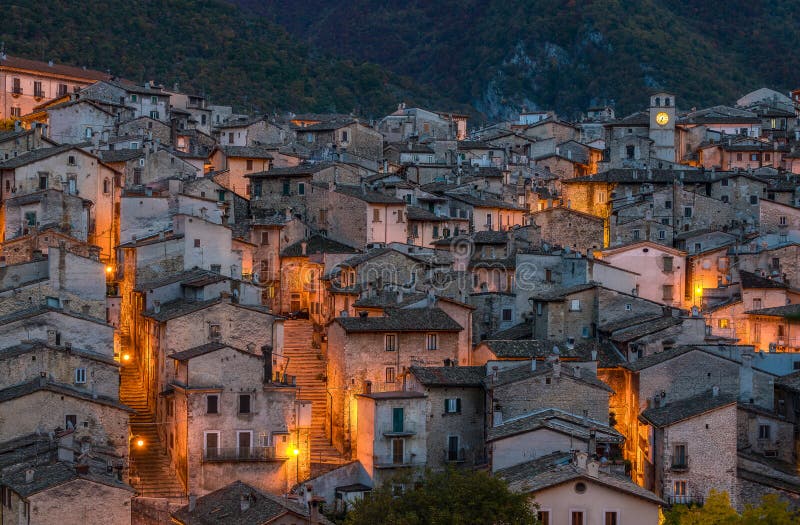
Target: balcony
(244, 454)
(16, 91)
(680, 464)
(686, 499)
(404, 430)
(406, 460)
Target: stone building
(227, 419)
(370, 354)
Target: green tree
(771, 511)
(451, 497)
(717, 510)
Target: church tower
(662, 126)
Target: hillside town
(215, 317)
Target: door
(212, 445)
(243, 442)
(452, 448)
(397, 419)
(397, 451)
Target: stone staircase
(308, 365)
(149, 463)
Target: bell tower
(662, 126)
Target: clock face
(662, 118)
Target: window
(244, 403)
(452, 406)
(80, 376)
(435, 232)
(212, 404)
(16, 111)
(431, 341)
(5, 497)
(756, 303)
(301, 188)
(725, 199)
(256, 188)
(767, 157)
(753, 199)
(106, 186)
(397, 419)
(668, 205)
(212, 444)
(756, 332)
(214, 331)
(544, 517)
(630, 152)
(344, 135)
(37, 89)
(764, 431)
(154, 115)
(453, 448)
(723, 323)
(323, 216)
(687, 212)
(154, 99)
(679, 489)
(390, 342)
(249, 164)
(70, 421)
(264, 238)
(71, 160)
(780, 331)
(376, 215)
(698, 247)
(390, 374)
(636, 235)
(753, 156)
(577, 517)
(679, 457)
(667, 292)
(667, 263)
(16, 86)
(662, 234)
(611, 518)
(30, 218)
(507, 314)
(628, 307)
(489, 220)
(575, 305)
(134, 97)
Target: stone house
(72, 171)
(226, 419)
(370, 354)
(406, 123)
(391, 436)
(146, 100)
(775, 217)
(235, 162)
(661, 269)
(47, 209)
(257, 131)
(774, 328)
(357, 216)
(486, 213)
(79, 121)
(571, 387)
(741, 153)
(454, 426)
(241, 504)
(344, 139)
(426, 227)
(146, 129)
(775, 259)
(576, 489)
(43, 321)
(61, 492)
(579, 231)
(27, 247)
(148, 165)
(15, 143)
(494, 311)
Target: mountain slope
(562, 54)
(208, 46)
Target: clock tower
(662, 126)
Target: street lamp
(140, 442)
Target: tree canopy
(451, 497)
(717, 510)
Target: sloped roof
(539, 348)
(402, 320)
(301, 170)
(520, 373)
(55, 69)
(367, 195)
(752, 280)
(253, 152)
(224, 507)
(790, 311)
(556, 420)
(202, 350)
(462, 376)
(317, 244)
(54, 474)
(36, 155)
(42, 385)
(678, 411)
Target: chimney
(592, 442)
(714, 391)
(581, 458)
(313, 509)
(533, 364)
(29, 474)
(497, 416)
(576, 371)
(157, 306)
(593, 468)
(594, 355)
(303, 248)
(192, 502)
(556, 369)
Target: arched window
(88, 133)
(658, 101)
(666, 101)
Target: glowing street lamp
(126, 357)
(140, 442)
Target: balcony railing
(680, 464)
(396, 460)
(405, 430)
(686, 499)
(219, 454)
